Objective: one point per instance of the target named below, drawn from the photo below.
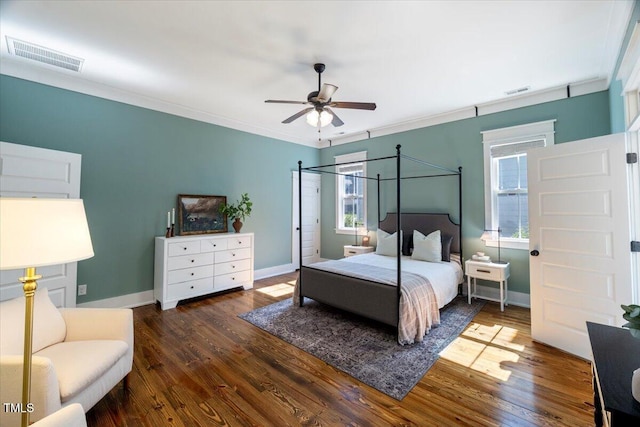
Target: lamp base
(29, 286)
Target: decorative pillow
(407, 245)
(48, 325)
(446, 247)
(427, 248)
(386, 244)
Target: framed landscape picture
(201, 214)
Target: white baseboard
(146, 297)
(123, 301)
(263, 273)
(513, 298)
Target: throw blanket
(418, 304)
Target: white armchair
(79, 355)
(69, 416)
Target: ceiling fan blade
(336, 120)
(326, 92)
(278, 101)
(354, 105)
(297, 115)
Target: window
(505, 178)
(351, 192)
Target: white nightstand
(487, 271)
(351, 250)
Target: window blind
(505, 150)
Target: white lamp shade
(39, 232)
(323, 117)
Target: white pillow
(48, 325)
(427, 248)
(387, 243)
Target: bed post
(460, 213)
(300, 232)
(378, 200)
(399, 231)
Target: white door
(580, 263)
(37, 172)
(310, 219)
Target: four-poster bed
(401, 291)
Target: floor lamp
(36, 233)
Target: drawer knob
(214, 245)
(233, 278)
(184, 248)
(233, 254)
(193, 260)
(535, 252)
(239, 242)
(484, 271)
(192, 274)
(191, 287)
(233, 266)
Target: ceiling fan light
(315, 118)
(312, 118)
(325, 118)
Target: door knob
(535, 252)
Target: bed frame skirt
(366, 298)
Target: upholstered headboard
(425, 223)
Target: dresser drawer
(233, 279)
(190, 289)
(486, 272)
(183, 248)
(233, 254)
(214, 245)
(187, 274)
(239, 242)
(187, 261)
(232, 267)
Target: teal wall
(451, 145)
(616, 100)
(136, 161)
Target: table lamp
(493, 235)
(37, 232)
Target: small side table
(615, 357)
(351, 250)
(487, 271)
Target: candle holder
(168, 232)
(173, 232)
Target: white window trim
(348, 158)
(502, 136)
(629, 75)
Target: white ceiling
(217, 61)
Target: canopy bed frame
(369, 298)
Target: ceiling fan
(319, 114)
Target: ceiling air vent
(517, 91)
(43, 54)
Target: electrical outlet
(82, 289)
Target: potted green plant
(632, 316)
(238, 211)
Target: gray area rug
(364, 349)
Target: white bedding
(444, 276)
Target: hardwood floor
(201, 365)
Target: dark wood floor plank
(201, 365)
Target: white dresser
(191, 266)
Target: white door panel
(310, 219)
(579, 222)
(37, 172)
